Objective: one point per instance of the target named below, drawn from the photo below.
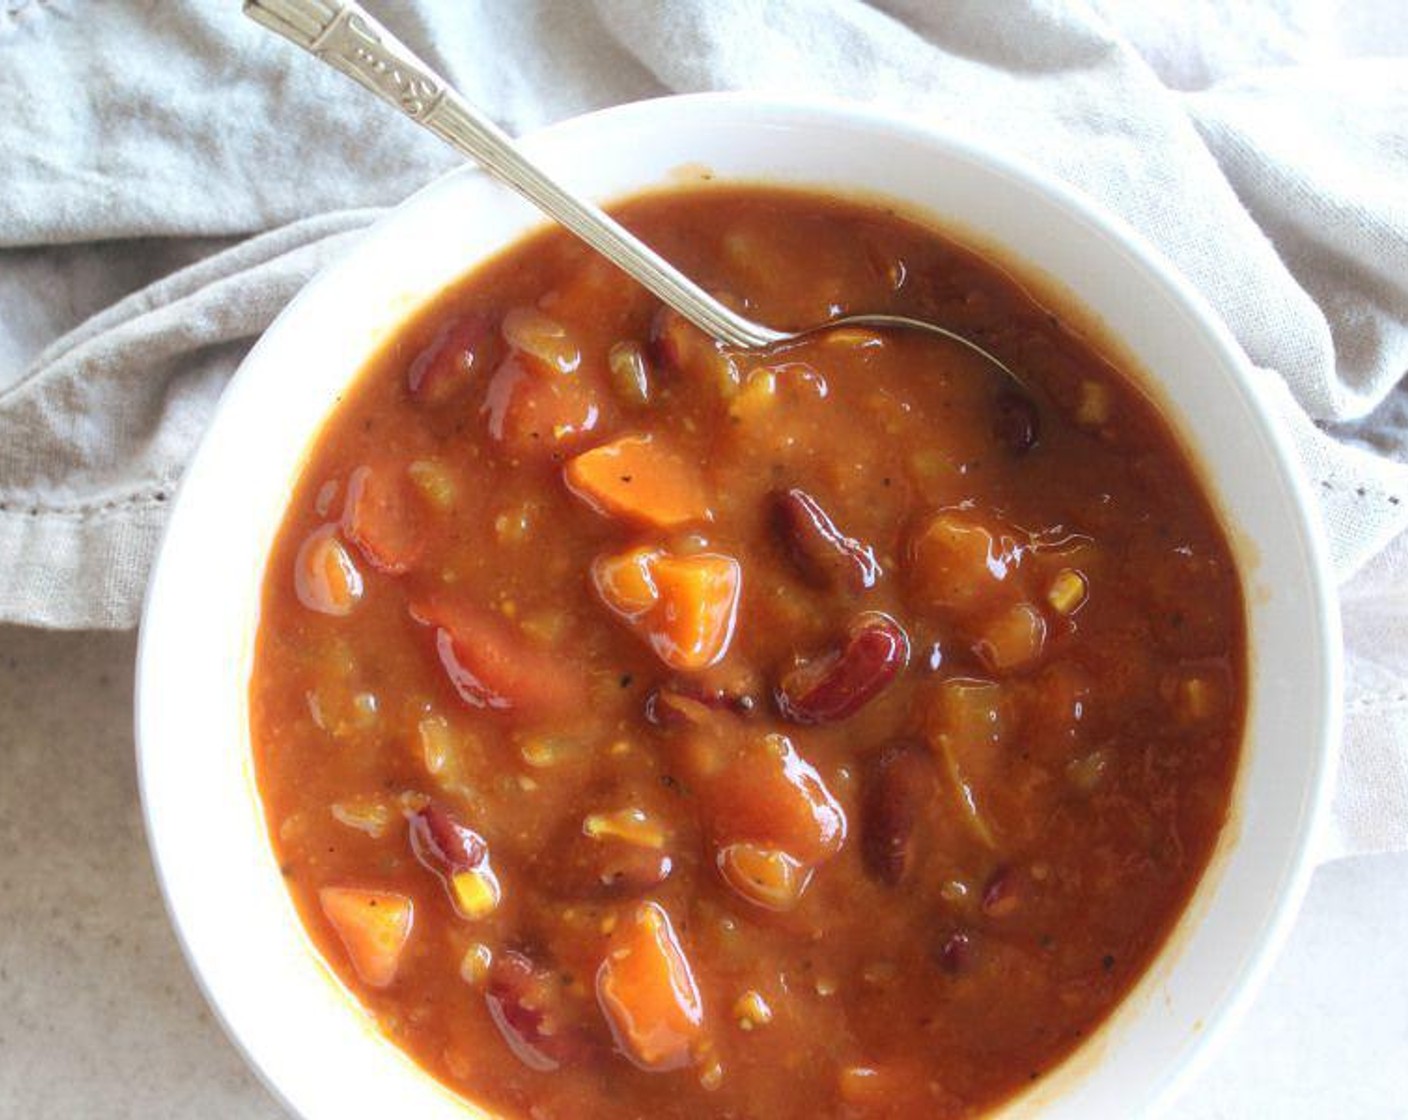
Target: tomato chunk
(460, 349)
(380, 519)
(684, 607)
(490, 665)
(637, 478)
(768, 793)
(648, 994)
(374, 927)
(959, 562)
(532, 409)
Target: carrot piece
(460, 351)
(698, 608)
(374, 927)
(491, 666)
(648, 994)
(638, 479)
(380, 519)
(684, 607)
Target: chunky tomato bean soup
(652, 730)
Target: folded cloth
(1264, 149)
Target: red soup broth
(646, 729)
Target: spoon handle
(343, 35)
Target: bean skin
(444, 845)
(535, 1015)
(843, 680)
(898, 788)
(824, 555)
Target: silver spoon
(342, 34)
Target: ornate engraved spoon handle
(342, 34)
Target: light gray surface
(99, 1016)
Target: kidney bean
(684, 701)
(1016, 423)
(824, 555)
(444, 845)
(840, 682)
(899, 786)
(535, 1014)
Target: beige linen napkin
(1264, 149)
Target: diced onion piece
(964, 725)
(757, 397)
(366, 814)
(325, 578)
(531, 332)
(637, 478)
(633, 826)
(1013, 639)
(630, 373)
(764, 876)
(436, 481)
(647, 992)
(1067, 592)
(373, 926)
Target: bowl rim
(652, 113)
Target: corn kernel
(474, 965)
(751, 1010)
(630, 825)
(476, 892)
(1067, 591)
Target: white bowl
(299, 1029)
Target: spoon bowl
(347, 38)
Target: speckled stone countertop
(99, 1016)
